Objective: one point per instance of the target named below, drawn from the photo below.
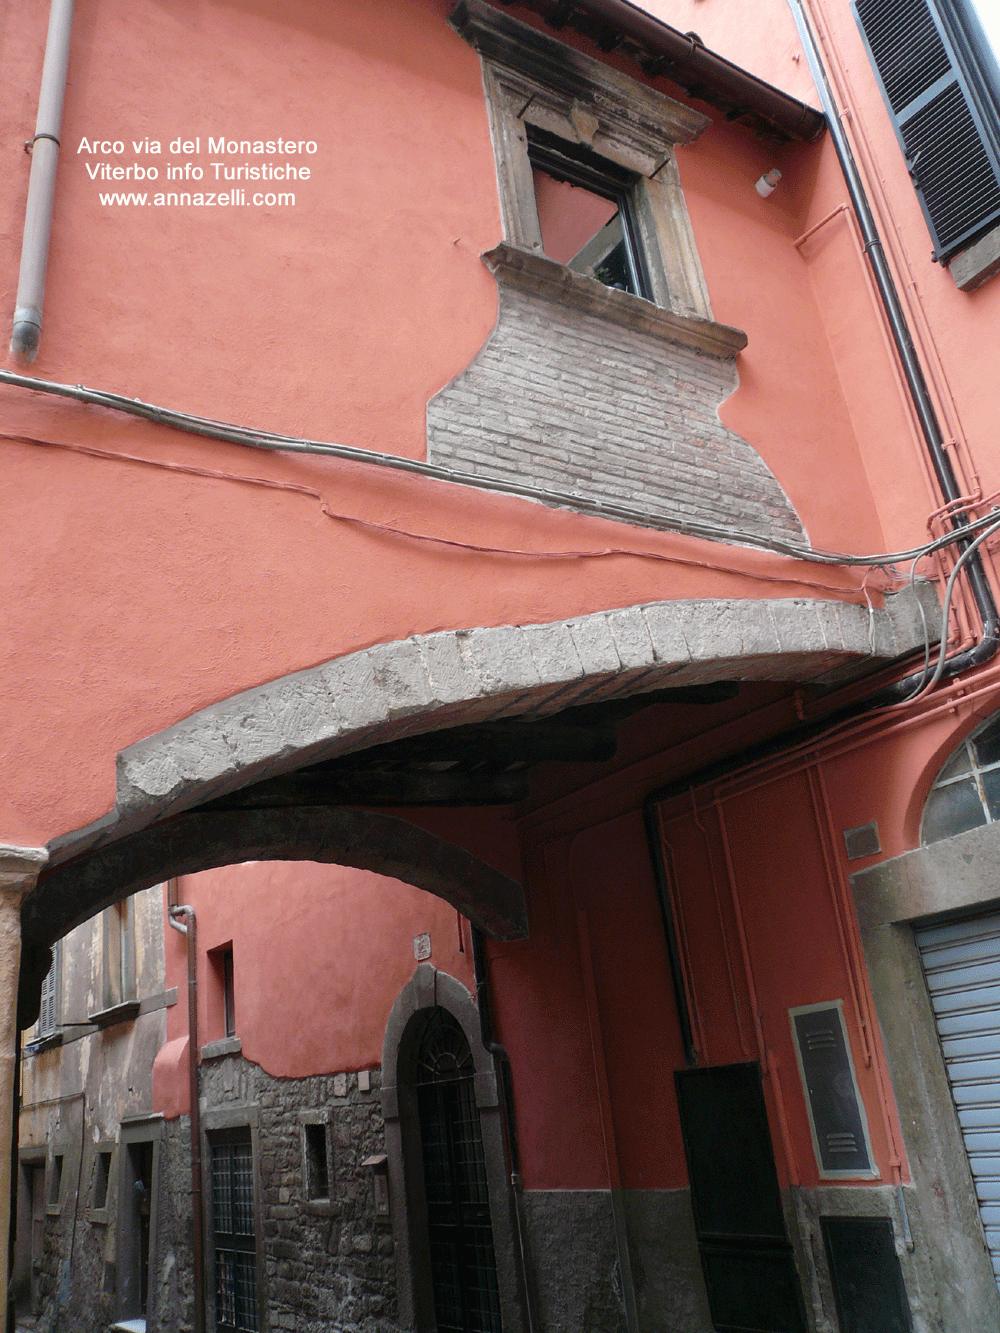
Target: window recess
(586, 213)
(939, 80)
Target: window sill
(978, 264)
(127, 1012)
(47, 1043)
(554, 282)
(319, 1207)
(215, 1050)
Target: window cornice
(626, 108)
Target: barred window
(234, 1233)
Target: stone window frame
(236, 1116)
(320, 1205)
(143, 1128)
(430, 989)
(532, 79)
(56, 1176)
(101, 1216)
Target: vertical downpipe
(42, 186)
(174, 914)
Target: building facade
(89, 1140)
(541, 454)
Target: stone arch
(424, 683)
(429, 989)
(201, 840)
(453, 677)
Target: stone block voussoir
(145, 773)
(663, 622)
(401, 676)
(797, 625)
(501, 659)
(595, 645)
(250, 730)
(631, 638)
(856, 629)
(355, 691)
(452, 679)
(304, 711)
(554, 653)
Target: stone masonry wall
(328, 1265)
(564, 400)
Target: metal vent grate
(862, 841)
(836, 1111)
(906, 46)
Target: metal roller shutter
(962, 964)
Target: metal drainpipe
(915, 382)
(174, 912)
(502, 1064)
(15, 1183)
(44, 150)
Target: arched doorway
(456, 1190)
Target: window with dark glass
(586, 213)
(966, 793)
(317, 1170)
(460, 1234)
(234, 1234)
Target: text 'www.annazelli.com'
(199, 199)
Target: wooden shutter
(944, 117)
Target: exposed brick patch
(560, 399)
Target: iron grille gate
(463, 1264)
(235, 1240)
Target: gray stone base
(576, 1268)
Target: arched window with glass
(966, 792)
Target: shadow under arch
(70, 893)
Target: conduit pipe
(916, 385)
(44, 149)
(175, 913)
(501, 1062)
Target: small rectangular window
(102, 1174)
(119, 955)
(55, 1180)
(317, 1171)
(221, 993)
(234, 1230)
(229, 992)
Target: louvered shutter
(943, 115)
(48, 1015)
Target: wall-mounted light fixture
(767, 182)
